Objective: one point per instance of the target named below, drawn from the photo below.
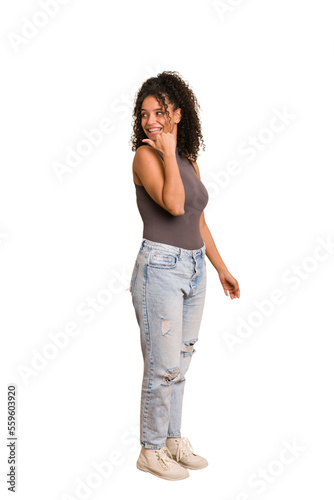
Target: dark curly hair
(179, 95)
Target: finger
(149, 141)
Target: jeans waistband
(178, 251)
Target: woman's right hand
(164, 142)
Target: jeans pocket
(161, 259)
(134, 276)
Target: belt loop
(180, 254)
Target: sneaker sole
(145, 469)
(193, 468)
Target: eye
(158, 113)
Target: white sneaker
(160, 463)
(182, 451)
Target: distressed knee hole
(188, 347)
(165, 326)
(171, 375)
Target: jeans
(168, 286)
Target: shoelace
(183, 448)
(165, 456)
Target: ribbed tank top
(178, 230)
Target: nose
(151, 121)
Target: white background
(65, 240)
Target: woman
(168, 281)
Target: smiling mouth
(154, 131)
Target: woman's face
(154, 120)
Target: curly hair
(179, 95)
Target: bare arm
(211, 249)
(228, 282)
(161, 179)
(173, 190)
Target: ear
(178, 115)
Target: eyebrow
(157, 109)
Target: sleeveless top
(182, 231)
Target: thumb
(149, 141)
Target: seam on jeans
(149, 355)
(161, 260)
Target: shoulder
(143, 150)
(146, 162)
(146, 151)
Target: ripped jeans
(168, 286)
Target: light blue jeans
(168, 286)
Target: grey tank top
(178, 230)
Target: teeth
(153, 129)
